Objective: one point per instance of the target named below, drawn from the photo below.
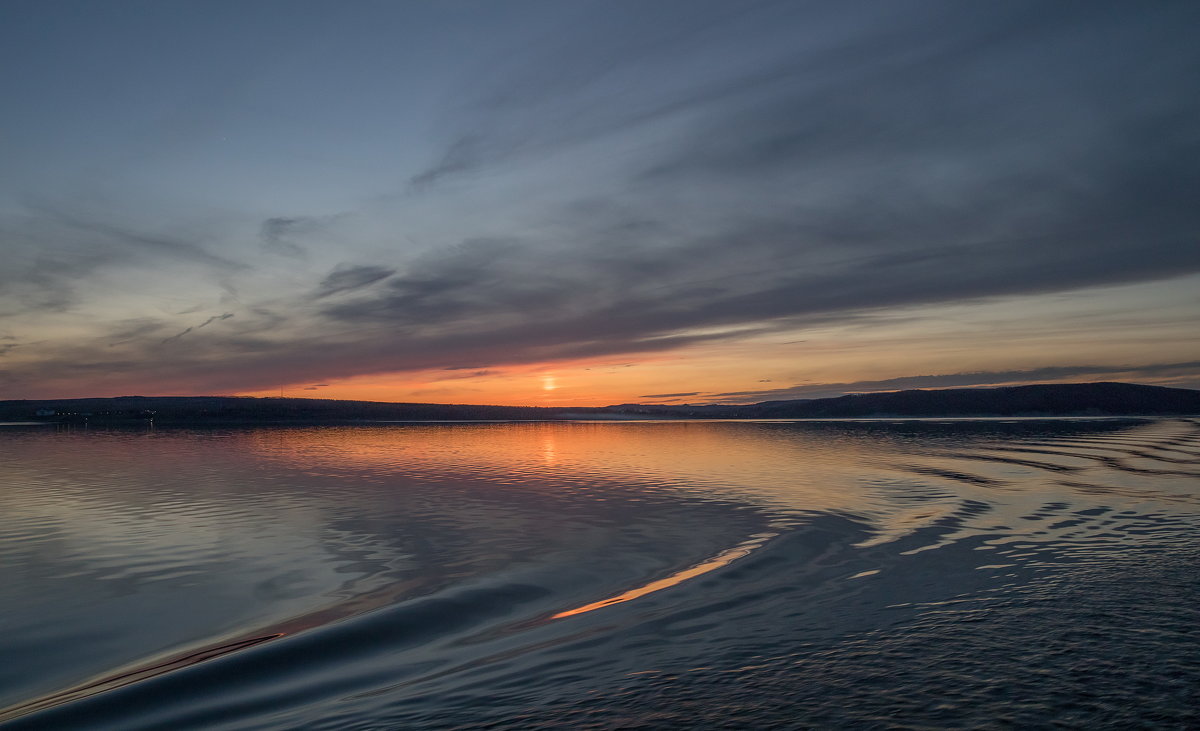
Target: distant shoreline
(185, 424)
(1099, 400)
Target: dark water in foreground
(577, 575)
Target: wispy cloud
(206, 323)
(281, 234)
(274, 233)
(126, 240)
(347, 277)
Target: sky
(558, 202)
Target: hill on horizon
(1102, 398)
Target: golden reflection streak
(724, 558)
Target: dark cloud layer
(962, 152)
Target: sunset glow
(584, 207)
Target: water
(994, 574)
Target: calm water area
(854, 574)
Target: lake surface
(990, 573)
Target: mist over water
(984, 573)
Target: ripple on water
(608, 575)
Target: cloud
(209, 321)
(627, 70)
(69, 256)
(127, 241)
(525, 299)
(670, 395)
(348, 277)
(273, 233)
(906, 155)
(470, 375)
(129, 331)
(462, 155)
(215, 318)
(277, 234)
